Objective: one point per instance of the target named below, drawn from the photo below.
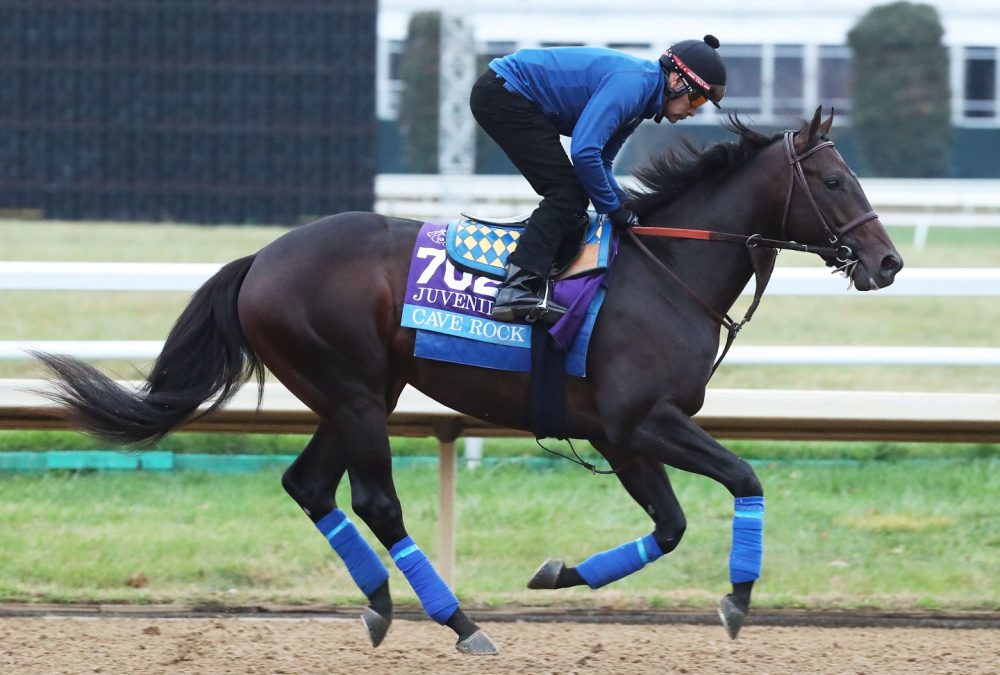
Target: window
(980, 82)
(390, 88)
(396, 48)
(835, 77)
(743, 78)
(788, 73)
(494, 50)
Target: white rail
(102, 276)
(97, 276)
(186, 277)
(894, 195)
(746, 355)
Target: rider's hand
(624, 217)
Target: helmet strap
(669, 95)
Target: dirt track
(73, 644)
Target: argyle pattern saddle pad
(481, 246)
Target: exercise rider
(527, 100)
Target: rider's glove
(624, 217)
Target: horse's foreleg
(312, 481)
(669, 435)
(374, 499)
(647, 482)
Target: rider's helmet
(700, 67)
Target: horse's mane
(672, 172)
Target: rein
(751, 241)
(762, 274)
(762, 265)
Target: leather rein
(763, 265)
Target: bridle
(763, 265)
(843, 252)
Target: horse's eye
(832, 182)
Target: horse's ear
(808, 131)
(825, 126)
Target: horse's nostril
(890, 265)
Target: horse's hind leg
(341, 370)
(312, 482)
(647, 482)
(363, 424)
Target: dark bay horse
(320, 308)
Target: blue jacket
(598, 96)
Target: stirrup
(547, 311)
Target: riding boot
(524, 296)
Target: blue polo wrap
(747, 556)
(601, 569)
(438, 600)
(362, 561)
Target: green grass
(37, 240)
(224, 444)
(892, 535)
(502, 448)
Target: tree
(900, 94)
(419, 71)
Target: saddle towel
(450, 306)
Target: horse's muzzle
(868, 280)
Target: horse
(320, 309)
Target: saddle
(481, 246)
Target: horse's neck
(718, 271)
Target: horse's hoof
(732, 616)
(477, 643)
(547, 574)
(376, 625)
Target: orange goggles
(696, 98)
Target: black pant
(532, 144)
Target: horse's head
(826, 205)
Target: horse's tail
(206, 356)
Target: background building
(784, 59)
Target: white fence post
(473, 452)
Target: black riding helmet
(699, 65)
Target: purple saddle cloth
(450, 308)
